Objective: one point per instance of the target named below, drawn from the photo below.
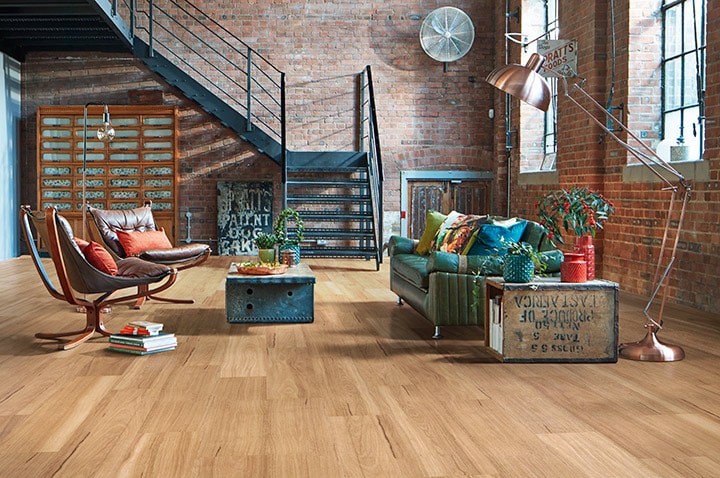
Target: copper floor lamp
(526, 84)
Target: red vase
(573, 268)
(584, 245)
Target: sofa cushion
(440, 261)
(433, 220)
(484, 265)
(461, 234)
(412, 268)
(490, 237)
(135, 243)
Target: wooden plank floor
(361, 392)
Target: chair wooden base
(141, 300)
(93, 323)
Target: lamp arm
(646, 156)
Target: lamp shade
(523, 82)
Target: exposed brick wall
(630, 245)
(429, 119)
(208, 152)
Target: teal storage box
(288, 297)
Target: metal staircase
(339, 194)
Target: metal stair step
(327, 182)
(338, 233)
(335, 216)
(327, 251)
(328, 198)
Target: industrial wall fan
(447, 34)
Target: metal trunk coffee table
(287, 297)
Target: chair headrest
(139, 219)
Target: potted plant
(265, 243)
(284, 238)
(578, 209)
(520, 262)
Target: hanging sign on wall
(560, 57)
(244, 210)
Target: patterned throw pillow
(433, 220)
(461, 234)
(442, 230)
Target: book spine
(143, 341)
(140, 352)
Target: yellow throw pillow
(433, 219)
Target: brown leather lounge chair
(104, 224)
(76, 274)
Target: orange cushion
(100, 258)
(135, 243)
(82, 243)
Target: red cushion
(135, 243)
(82, 243)
(100, 258)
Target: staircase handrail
(259, 74)
(371, 141)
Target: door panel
(466, 196)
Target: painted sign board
(560, 57)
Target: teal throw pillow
(490, 238)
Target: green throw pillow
(433, 219)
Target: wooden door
(469, 196)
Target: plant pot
(573, 268)
(294, 247)
(584, 246)
(518, 269)
(266, 255)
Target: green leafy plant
(265, 240)
(280, 227)
(578, 209)
(525, 249)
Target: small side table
(288, 297)
(551, 321)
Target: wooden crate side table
(288, 297)
(551, 321)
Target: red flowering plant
(577, 209)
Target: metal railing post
(283, 141)
(132, 18)
(249, 90)
(151, 52)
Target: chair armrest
(401, 245)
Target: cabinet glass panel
(139, 164)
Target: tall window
(538, 131)
(550, 139)
(683, 68)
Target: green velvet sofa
(440, 285)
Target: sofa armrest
(401, 245)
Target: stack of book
(142, 338)
(141, 327)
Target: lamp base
(650, 349)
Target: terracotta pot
(584, 245)
(573, 268)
